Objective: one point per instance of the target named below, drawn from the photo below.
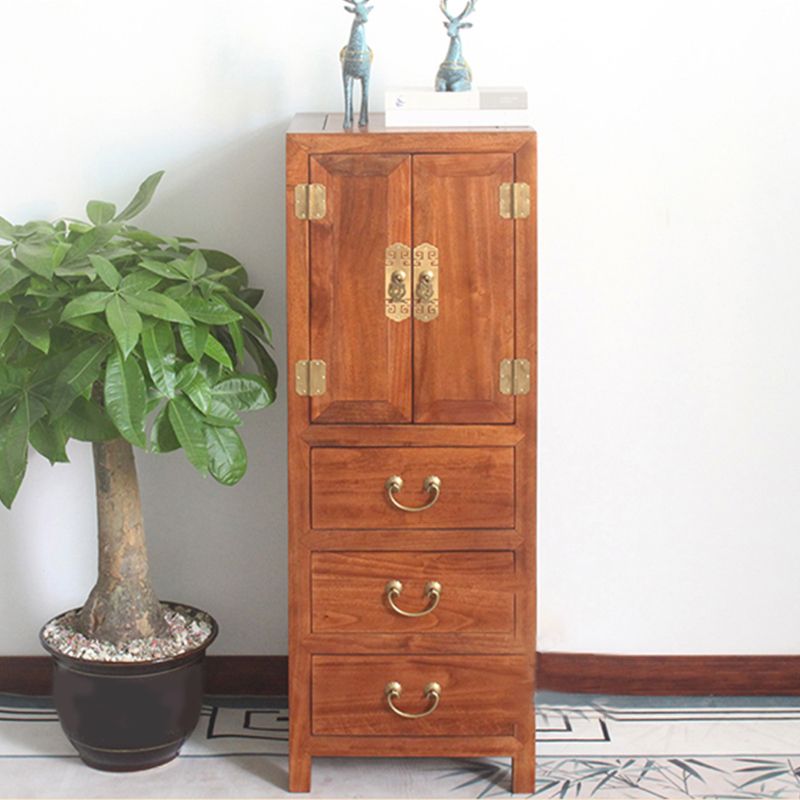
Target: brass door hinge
(310, 201)
(515, 200)
(310, 378)
(515, 376)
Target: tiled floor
(603, 747)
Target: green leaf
(125, 397)
(194, 339)
(213, 311)
(37, 257)
(196, 388)
(87, 422)
(227, 457)
(215, 350)
(13, 451)
(235, 331)
(125, 323)
(188, 427)
(7, 316)
(35, 331)
(157, 305)
(241, 306)
(244, 393)
(141, 199)
(266, 364)
(99, 212)
(222, 415)
(89, 303)
(60, 253)
(162, 269)
(194, 266)
(140, 282)
(78, 376)
(92, 241)
(162, 437)
(7, 230)
(158, 342)
(50, 439)
(106, 271)
(10, 276)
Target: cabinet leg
(523, 772)
(300, 773)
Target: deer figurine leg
(348, 101)
(363, 120)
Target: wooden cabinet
(412, 436)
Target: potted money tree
(114, 335)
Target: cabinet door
(457, 355)
(368, 355)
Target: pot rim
(133, 665)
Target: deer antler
(468, 9)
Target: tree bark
(122, 606)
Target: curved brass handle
(393, 690)
(432, 484)
(433, 590)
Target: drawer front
(372, 592)
(479, 695)
(475, 487)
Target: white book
(486, 99)
(457, 118)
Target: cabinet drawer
(349, 487)
(466, 592)
(479, 695)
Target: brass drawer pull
(433, 590)
(393, 690)
(432, 485)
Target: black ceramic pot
(123, 717)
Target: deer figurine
(454, 73)
(356, 60)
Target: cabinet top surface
(322, 123)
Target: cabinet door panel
(368, 356)
(457, 355)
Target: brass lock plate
(398, 275)
(426, 282)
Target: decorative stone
(188, 629)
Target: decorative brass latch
(426, 282)
(310, 201)
(398, 272)
(515, 200)
(310, 378)
(515, 376)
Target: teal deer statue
(356, 60)
(454, 73)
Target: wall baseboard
(562, 672)
(669, 675)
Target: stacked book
(487, 108)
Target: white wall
(670, 278)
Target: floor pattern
(601, 747)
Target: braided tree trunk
(122, 606)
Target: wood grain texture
(297, 348)
(457, 355)
(348, 592)
(485, 507)
(480, 695)
(368, 356)
(526, 346)
(348, 487)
